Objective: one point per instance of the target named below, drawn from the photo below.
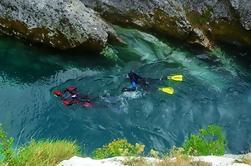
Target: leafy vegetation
(228, 62)
(39, 153)
(48, 153)
(153, 153)
(119, 147)
(109, 53)
(209, 141)
(6, 149)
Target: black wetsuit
(135, 80)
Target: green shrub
(48, 153)
(178, 153)
(39, 153)
(6, 150)
(118, 147)
(154, 153)
(209, 141)
(109, 53)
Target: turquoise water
(217, 89)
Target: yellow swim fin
(175, 77)
(168, 90)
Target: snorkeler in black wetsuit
(135, 80)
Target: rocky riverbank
(200, 22)
(72, 23)
(61, 24)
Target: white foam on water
(147, 46)
(132, 95)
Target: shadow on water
(241, 54)
(24, 63)
(217, 89)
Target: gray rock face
(60, 23)
(161, 15)
(194, 21)
(243, 9)
(238, 10)
(69, 23)
(222, 20)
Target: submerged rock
(200, 22)
(61, 24)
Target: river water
(216, 90)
